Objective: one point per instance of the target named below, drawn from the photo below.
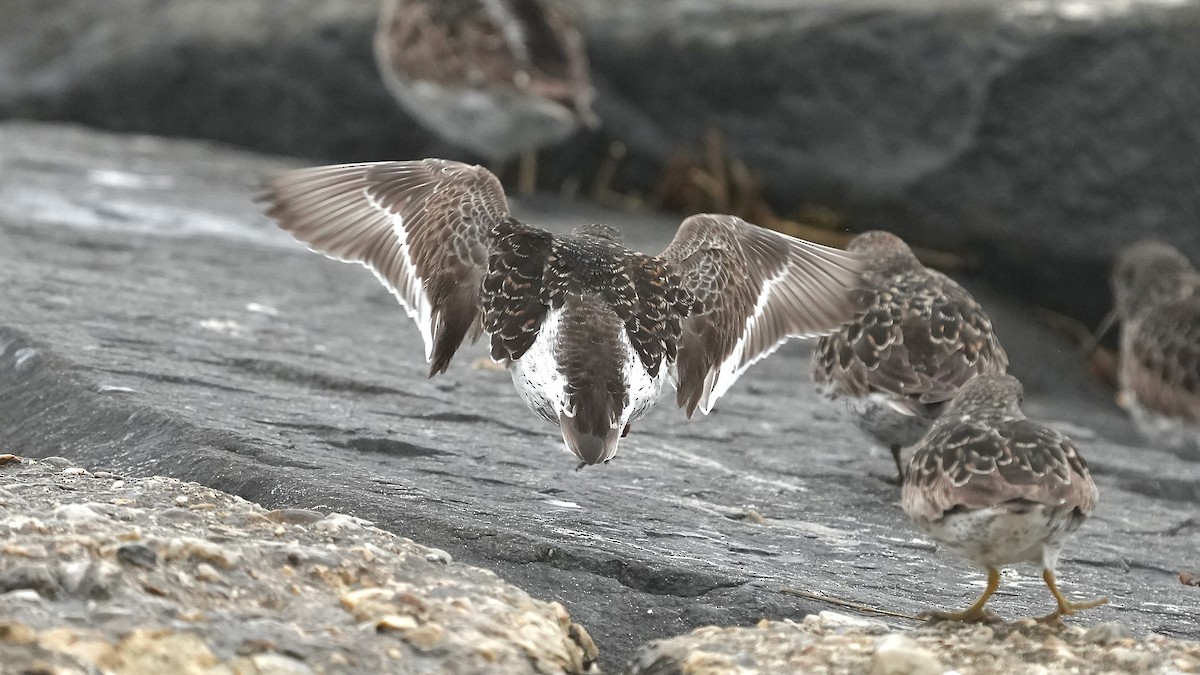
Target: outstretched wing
(422, 227)
(753, 289)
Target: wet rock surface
(157, 575)
(1038, 135)
(153, 322)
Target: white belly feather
(542, 385)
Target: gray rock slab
(238, 360)
(1040, 136)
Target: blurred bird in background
(500, 78)
(1157, 300)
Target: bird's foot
(1068, 608)
(1065, 606)
(969, 615)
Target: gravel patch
(157, 575)
(836, 644)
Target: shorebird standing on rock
(500, 78)
(1157, 294)
(916, 338)
(588, 329)
(998, 489)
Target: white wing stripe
(728, 372)
(411, 293)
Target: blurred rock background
(1031, 137)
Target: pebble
(180, 515)
(90, 580)
(295, 516)
(75, 513)
(75, 471)
(202, 550)
(837, 620)
(139, 555)
(24, 595)
(6, 459)
(899, 655)
(26, 525)
(38, 578)
(395, 622)
(1104, 633)
(426, 636)
(353, 600)
(279, 664)
(18, 634)
(340, 522)
(437, 555)
(1135, 660)
(107, 613)
(206, 572)
(35, 551)
(56, 461)
(71, 574)
(297, 556)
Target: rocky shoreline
(157, 575)
(103, 573)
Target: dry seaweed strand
(722, 184)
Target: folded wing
(920, 350)
(1014, 464)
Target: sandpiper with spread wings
(589, 330)
(998, 489)
(916, 338)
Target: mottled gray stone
(137, 554)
